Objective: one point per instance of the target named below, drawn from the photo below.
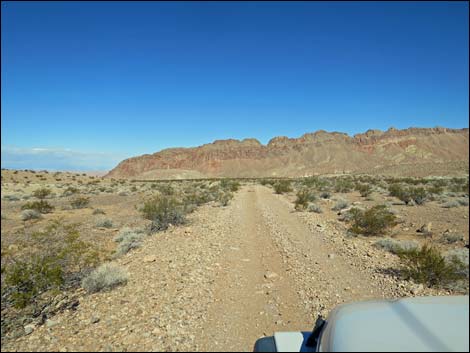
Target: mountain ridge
(316, 152)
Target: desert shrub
(451, 204)
(123, 193)
(80, 202)
(418, 194)
(105, 223)
(304, 196)
(134, 188)
(282, 186)
(396, 246)
(163, 211)
(364, 189)
(98, 211)
(230, 185)
(314, 208)
(40, 206)
(41, 193)
(70, 191)
(11, 198)
(463, 201)
(407, 194)
(460, 255)
(340, 205)
(374, 221)
(450, 238)
(225, 198)
(48, 259)
(266, 182)
(26, 215)
(325, 195)
(105, 277)
(429, 267)
(128, 239)
(343, 185)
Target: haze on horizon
(87, 84)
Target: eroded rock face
(312, 153)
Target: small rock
(51, 323)
(29, 329)
(416, 289)
(95, 319)
(331, 256)
(150, 258)
(270, 275)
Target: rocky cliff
(418, 151)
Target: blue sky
(85, 84)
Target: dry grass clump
(104, 223)
(314, 208)
(340, 204)
(105, 277)
(396, 246)
(28, 214)
(282, 186)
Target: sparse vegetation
(429, 267)
(27, 215)
(163, 211)
(105, 223)
(105, 277)
(282, 186)
(80, 202)
(340, 204)
(40, 206)
(374, 221)
(49, 258)
(304, 196)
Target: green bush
(163, 211)
(407, 194)
(343, 185)
(429, 267)
(374, 221)
(282, 186)
(364, 189)
(304, 196)
(40, 206)
(230, 185)
(41, 193)
(80, 202)
(48, 258)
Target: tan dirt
(234, 274)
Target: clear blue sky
(112, 80)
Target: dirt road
(231, 276)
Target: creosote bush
(304, 196)
(364, 189)
(163, 211)
(48, 259)
(374, 221)
(40, 206)
(41, 193)
(105, 277)
(80, 202)
(282, 186)
(429, 267)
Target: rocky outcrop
(313, 153)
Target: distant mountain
(412, 151)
